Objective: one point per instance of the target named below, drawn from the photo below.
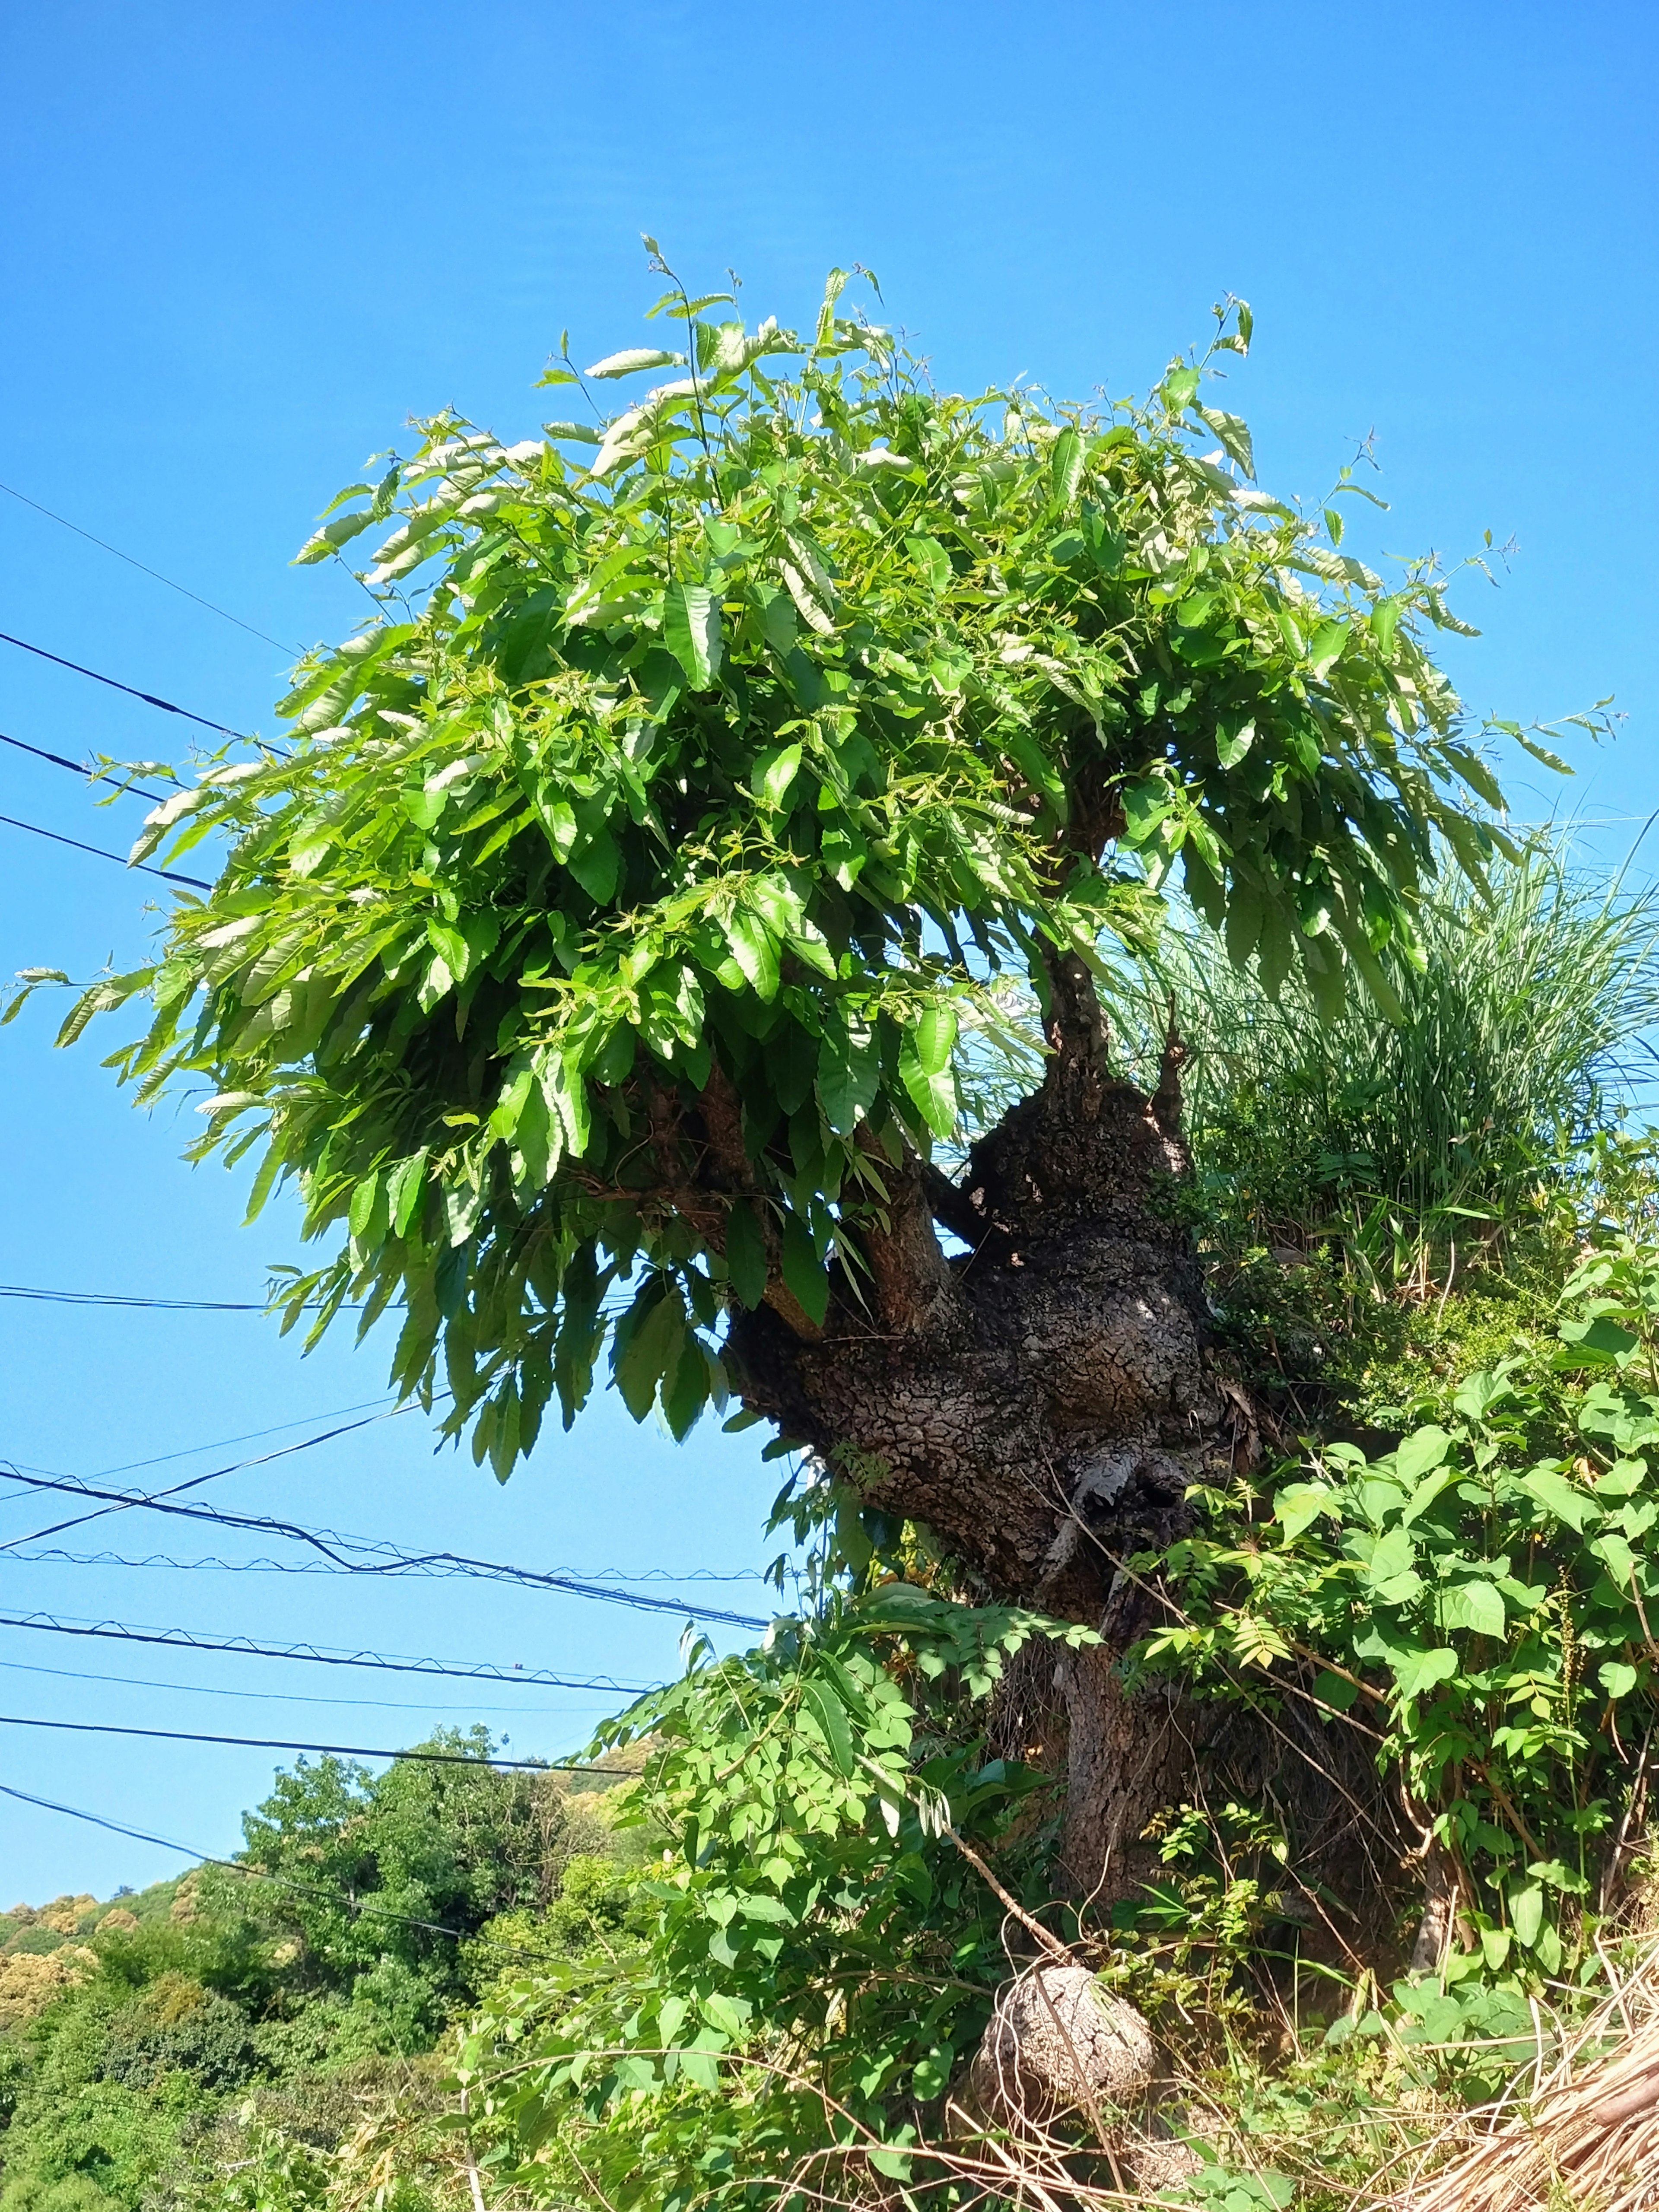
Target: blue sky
(243, 245)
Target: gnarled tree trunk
(1041, 1401)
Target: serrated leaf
(755, 949)
(632, 359)
(691, 631)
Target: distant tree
(619, 948)
(389, 1874)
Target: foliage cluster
(1478, 1600)
(614, 919)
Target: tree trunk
(1042, 1401)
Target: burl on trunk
(1042, 1401)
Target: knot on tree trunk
(1057, 2043)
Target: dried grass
(1586, 2136)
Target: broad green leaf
(1558, 1497)
(746, 1253)
(803, 1271)
(1472, 1605)
(1527, 1913)
(1424, 1448)
(691, 631)
(1299, 1504)
(830, 1714)
(1417, 1671)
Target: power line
(122, 1502)
(185, 1639)
(111, 1298)
(223, 613)
(99, 853)
(281, 1743)
(78, 767)
(223, 1444)
(260, 1697)
(376, 1557)
(150, 698)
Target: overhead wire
(120, 1502)
(313, 1655)
(376, 1557)
(113, 1298)
(223, 613)
(102, 852)
(282, 1743)
(265, 1697)
(114, 682)
(80, 769)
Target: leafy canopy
(624, 904)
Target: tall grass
(1526, 1031)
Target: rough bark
(1041, 1400)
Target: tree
(616, 951)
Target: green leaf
(644, 1352)
(1558, 1497)
(1424, 1448)
(1476, 1606)
(1527, 1914)
(934, 1037)
(632, 359)
(691, 631)
(894, 2164)
(1179, 389)
(1234, 436)
(1066, 467)
(1300, 1504)
(756, 951)
(1616, 1677)
(746, 1253)
(1416, 1672)
(934, 563)
(830, 1714)
(1597, 1343)
(848, 1077)
(803, 1273)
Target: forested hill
(143, 2036)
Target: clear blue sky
(243, 244)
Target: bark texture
(1042, 1399)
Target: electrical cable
(113, 1298)
(123, 1502)
(150, 698)
(78, 767)
(185, 1639)
(100, 853)
(263, 1697)
(223, 613)
(377, 1557)
(224, 1444)
(281, 1743)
